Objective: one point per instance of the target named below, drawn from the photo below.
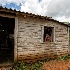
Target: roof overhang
(15, 13)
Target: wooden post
(15, 39)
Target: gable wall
(30, 45)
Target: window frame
(42, 29)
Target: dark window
(48, 34)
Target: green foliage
(37, 65)
(24, 66)
(20, 66)
(63, 57)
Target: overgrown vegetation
(36, 65)
(66, 57)
(25, 66)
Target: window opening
(48, 34)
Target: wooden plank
(15, 39)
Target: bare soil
(57, 65)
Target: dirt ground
(57, 65)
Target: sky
(57, 9)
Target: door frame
(15, 33)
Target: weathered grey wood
(15, 39)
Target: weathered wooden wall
(30, 45)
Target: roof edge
(30, 14)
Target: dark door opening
(7, 39)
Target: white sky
(57, 9)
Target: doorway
(7, 26)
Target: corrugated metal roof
(29, 14)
